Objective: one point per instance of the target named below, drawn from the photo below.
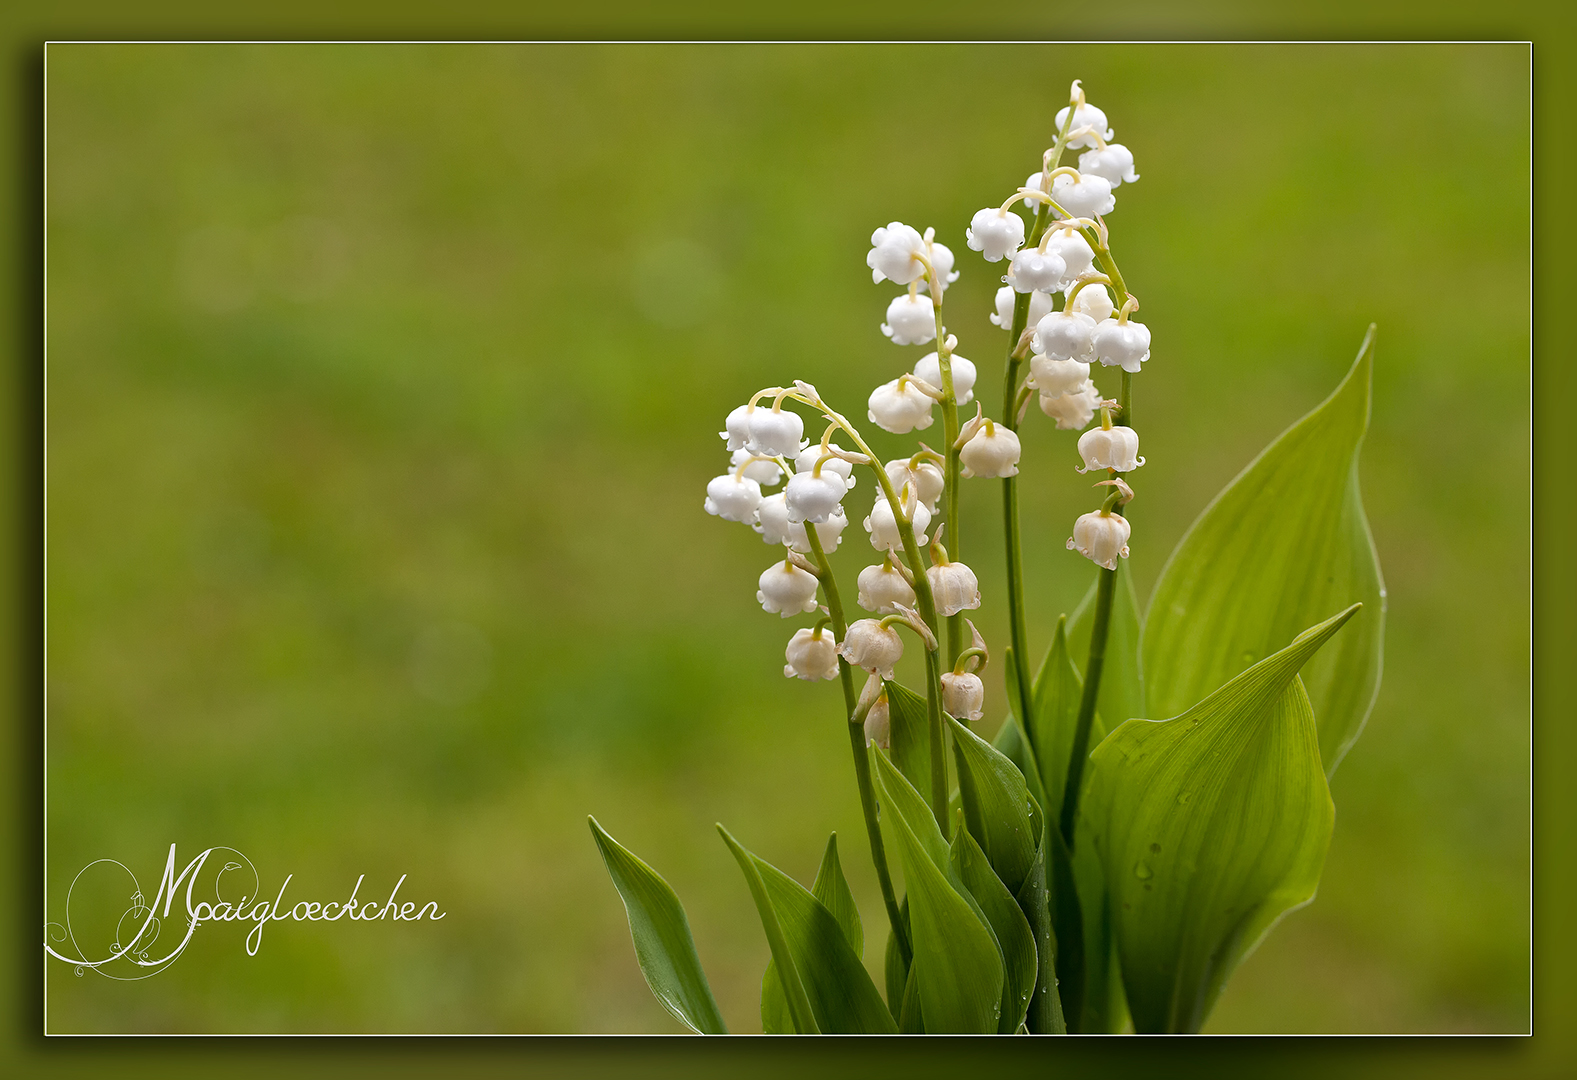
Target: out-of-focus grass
(383, 384)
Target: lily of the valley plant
(1156, 800)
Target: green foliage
(1283, 544)
(911, 734)
(957, 969)
(996, 805)
(1121, 693)
(1210, 826)
(661, 933)
(825, 986)
(1008, 925)
(832, 890)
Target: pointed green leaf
(1015, 939)
(910, 1019)
(957, 968)
(1044, 1016)
(895, 968)
(833, 892)
(825, 985)
(1067, 922)
(997, 806)
(1101, 1003)
(1121, 693)
(1282, 545)
(911, 734)
(1057, 692)
(1210, 826)
(661, 933)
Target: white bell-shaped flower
(882, 587)
(869, 645)
(895, 254)
(1102, 538)
(911, 320)
(954, 587)
(1053, 377)
(808, 457)
(776, 431)
(811, 655)
(762, 471)
(732, 497)
(1110, 448)
(963, 695)
(737, 427)
(1039, 307)
(814, 497)
(1124, 345)
(1093, 300)
(828, 533)
(900, 407)
(1072, 409)
(992, 451)
(926, 476)
(772, 520)
(879, 724)
(1084, 116)
(1084, 196)
(1033, 270)
(787, 590)
(1114, 163)
(929, 368)
(995, 233)
(1073, 249)
(883, 526)
(942, 259)
(1065, 335)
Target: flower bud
(1124, 345)
(1073, 249)
(929, 368)
(811, 655)
(993, 450)
(1084, 196)
(879, 724)
(871, 646)
(911, 320)
(995, 233)
(963, 695)
(732, 497)
(1053, 377)
(806, 462)
(764, 472)
(1065, 335)
(1073, 409)
(892, 254)
(787, 590)
(737, 427)
(883, 527)
(1101, 538)
(954, 587)
(1114, 164)
(1084, 116)
(1110, 448)
(772, 520)
(927, 478)
(900, 407)
(814, 498)
(828, 533)
(1094, 301)
(1039, 307)
(1033, 270)
(882, 586)
(775, 431)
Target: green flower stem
(1092, 682)
(950, 473)
(862, 763)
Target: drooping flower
(929, 368)
(1101, 537)
(954, 587)
(1084, 196)
(775, 431)
(1065, 335)
(1039, 307)
(879, 724)
(900, 406)
(1110, 448)
(787, 590)
(763, 471)
(737, 427)
(911, 319)
(883, 526)
(808, 457)
(1094, 301)
(1072, 409)
(992, 451)
(995, 233)
(895, 254)
(925, 475)
(963, 695)
(772, 520)
(814, 497)
(1118, 344)
(1071, 247)
(732, 497)
(829, 533)
(811, 655)
(882, 586)
(869, 645)
(1114, 163)
(1033, 270)
(1053, 377)
(1084, 116)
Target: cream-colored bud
(1102, 538)
(963, 695)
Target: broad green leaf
(833, 892)
(1210, 826)
(957, 967)
(1121, 693)
(911, 734)
(661, 933)
(1014, 937)
(1102, 1008)
(1057, 692)
(1282, 545)
(910, 1019)
(1009, 738)
(997, 806)
(1067, 923)
(825, 985)
(1044, 1016)
(895, 970)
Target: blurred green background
(383, 385)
